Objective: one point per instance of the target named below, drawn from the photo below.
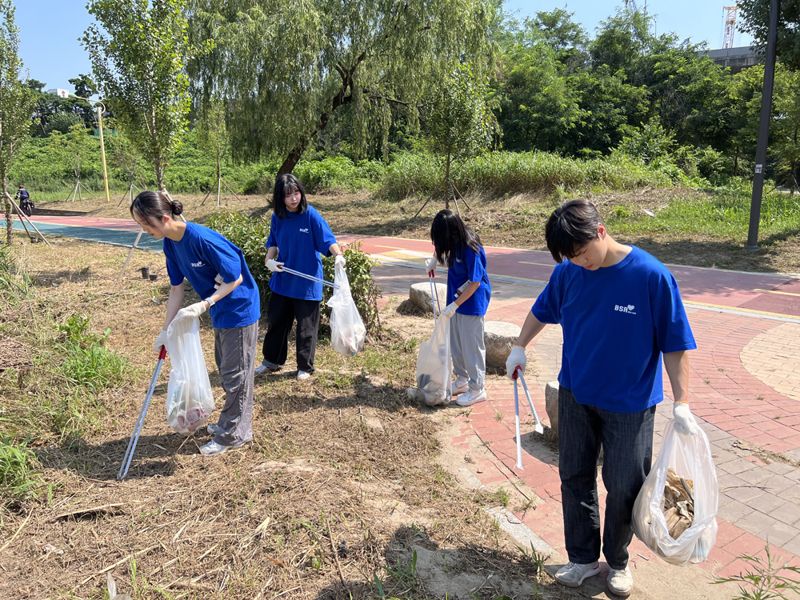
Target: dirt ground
(515, 221)
(346, 491)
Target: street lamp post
(763, 128)
(100, 110)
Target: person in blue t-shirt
(468, 295)
(217, 271)
(621, 312)
(298, 236)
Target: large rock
(420, 295)
(499, 336)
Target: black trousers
(281, 314)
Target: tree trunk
(447, 181)
(291, 160)
(7, 208)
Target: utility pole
(763, 128)
(100, 110)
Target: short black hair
(287, 183)
(571, 226)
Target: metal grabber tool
(538, 428)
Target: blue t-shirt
(206, 258)
(300, 237)
(617, 321)
(469, 265)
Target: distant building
(61, 93)
(736, 58)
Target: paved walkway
(745, 388)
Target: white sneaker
(573, 574)
(471, 397)
(303, 375)
(620, 582)
(460, 385)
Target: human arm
(677, 366)
(270, 262)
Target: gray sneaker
(267, 367)
(212, 448)
(573, 574)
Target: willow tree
(288, 67)
(16, 103)
(139, 50)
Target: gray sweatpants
(234, 352)
(468, 350)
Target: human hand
(430, 266)
(516, 361)
(193, 310)
(161, 340)
(450, 310)
(273, 265)
(339, 260)
(684, 419)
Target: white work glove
(273, 265)
(193, 310)
(161, 340)
(684, 419)
(339, 260)
(450, 310)
(516, 361)
(430, 266)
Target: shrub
(250, 233)
(19, 479)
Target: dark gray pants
(627, 442)
(234, 352)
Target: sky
(51, 52)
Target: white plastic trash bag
(689, 459)
(347, 328)
(189, 398)
(433, 365)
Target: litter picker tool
(126, 461)
(538, 428)
(309, 277)
(436, 306)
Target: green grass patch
(723, 213)
(19, 477)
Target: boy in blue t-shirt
(620, 311)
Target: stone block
(420, 295)
(499, 336)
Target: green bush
(87, 362)
(338, 173)
(516, 172)
(250, 234)
(19, 479)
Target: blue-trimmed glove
(516, 361)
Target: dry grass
(342, 482)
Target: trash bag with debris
(675, 511)
(189, 397)
(433, 366)
(347, 328)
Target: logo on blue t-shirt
(304, 230)
(628, 309)
(198, 265)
